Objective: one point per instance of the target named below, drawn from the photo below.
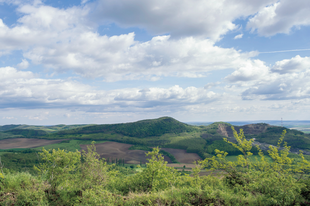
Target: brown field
(121, 151)
(182, 156)
(25, 143)
(176, 165)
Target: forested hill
(163, 132)
(140, 129)
(262, 132)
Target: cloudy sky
(108, 61)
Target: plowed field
(182, 156)
(113, 150)
(25, 143)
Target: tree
(58, 166)
(276, 180)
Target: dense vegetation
(140, 129)
(72, 178)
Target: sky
(114, 61)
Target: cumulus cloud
(294, 64)
(64, 39)
(21, 89)
(294, 86)
(251, 70)
(178, 17)
(121, 57)
(287, 79)
(42, 25)
(281, 17)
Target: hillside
(140, 129)
(164, 132)
(263, 133)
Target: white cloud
(251, 70)
(294, 64)
(281, 17)
(42, 25)
(288, 86)
(120, 57)
(21, 89)
(178, 17)
(63, 39)
(287, 79)
(239, 36)
(23, 65)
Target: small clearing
(25, 143)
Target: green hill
(164, 132)
(263, 133)
(140, 129)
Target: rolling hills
(164, 132)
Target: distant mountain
(302, 125)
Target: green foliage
(68, 145)
(156, 176)
(93, 171)
(276, 180)
(140, 129)
(163, 152)
(140, 147)
(21, 161)
(294, 138)
(58, 165)
(191, 145)
(74, 178)
(27, 132)
(172, 158)
(22, 189)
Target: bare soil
(181, 165)
(113, 150)
(182, 156)
(25, 143)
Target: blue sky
(108, 61)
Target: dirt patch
(113, 150)
(25, 143)
(190, 166)
(182, 156)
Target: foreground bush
(72, 178)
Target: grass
(234, 158)
(69, 145)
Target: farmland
(182, 156)
(25, 143)
(115, 150)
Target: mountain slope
(140, 129)
(263, 133)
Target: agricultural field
(25, 143)
(182, 156)
(116, 150)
